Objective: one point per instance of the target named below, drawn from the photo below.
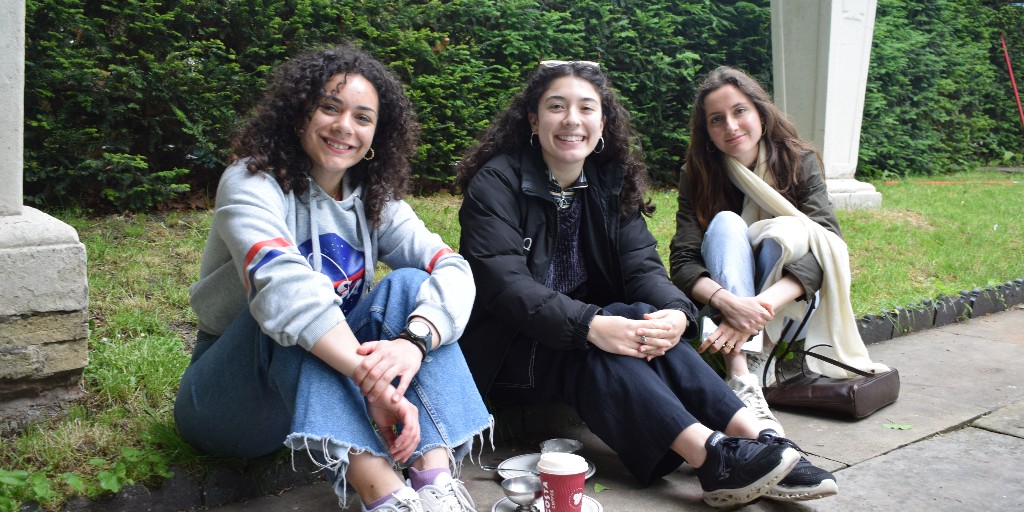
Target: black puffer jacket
(508, 235)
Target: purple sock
(426, 477)
(378, 502)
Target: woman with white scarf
(756, 236)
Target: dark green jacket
(812, 198)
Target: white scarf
(770, 215)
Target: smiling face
(340, 131)
(568, 122)
(733, 124)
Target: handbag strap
(789, 344)
(804, 352)
(829, 360)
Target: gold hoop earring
(601, 140)
(370, 155)
(532, 135)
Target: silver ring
(643, 339)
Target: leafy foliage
(938, 94)
(132, 103)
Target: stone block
(1013, 292)
(912, 318)
(38, 361)
(175, 494)
(42, 265)
(257, 477)
(874, 329)
(986, 302)
(951, 309)
(38, 329)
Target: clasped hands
(651, 337)
(742, 317)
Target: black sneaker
(805, 482)
(739, 470)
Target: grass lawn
(926, 240)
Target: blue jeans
(736, 265)
(244, 395)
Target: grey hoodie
(260, 254)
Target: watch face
(420, 329)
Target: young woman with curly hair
(573, 304)
(296, 345)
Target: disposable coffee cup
(562, 478)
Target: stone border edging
(943, 310)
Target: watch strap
(417, 341)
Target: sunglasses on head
(554, 63)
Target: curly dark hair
(706, 168)
(271, 142)
(510, 133)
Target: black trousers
(638, 408)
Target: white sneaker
(748, 389)
(446, 494)
(405, 500)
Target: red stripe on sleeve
(255, 249)
(433, 261)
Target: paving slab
(970, 469)
(1009, 420)
(1007, 326)
(956, 364)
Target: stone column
(820, 54)
(44, 295)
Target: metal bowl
(522, 490)
(561, 445)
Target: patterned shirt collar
(563, 198)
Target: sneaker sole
(723, 498)
(822, 490)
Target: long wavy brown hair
(705, 165)
(510, 133)
(270, 137)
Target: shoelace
(462, 498)
(737, 448)
(409, 505)
(755, 403)
(455, 497)
(785, 442)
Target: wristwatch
(418, 333)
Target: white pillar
(820, 54)
(45, 296)
(12, 87)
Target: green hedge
(131, 103)
(939, 95)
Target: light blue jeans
(244, 395)
(736, 265)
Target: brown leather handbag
(856, 397)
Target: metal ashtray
(522, 490)
(561, 445)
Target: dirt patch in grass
(908, 217)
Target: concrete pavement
(962, 396)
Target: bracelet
(720, 288)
